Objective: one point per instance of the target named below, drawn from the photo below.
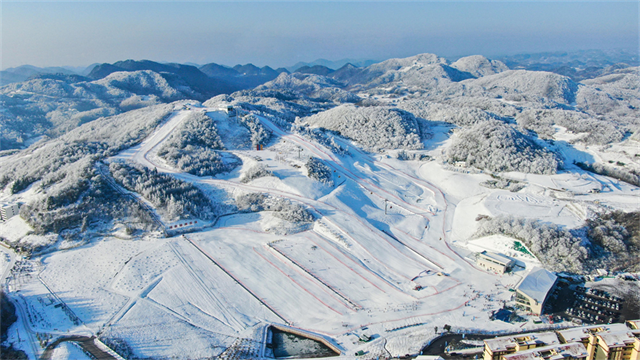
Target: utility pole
(299, 150)
(385, 206)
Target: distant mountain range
(333, 65)
(24, 72)
(577, 65)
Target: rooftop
(505, 342)
(634, 324)
(576, 334)
(620, 338)
(497, 257)
(551, 352)
(537, 284)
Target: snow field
(269, 276)
(68, 351)
(143, 268)
(150, 329)
(88, 274)
(14, 229)
(530, 206)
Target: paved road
(86, 343)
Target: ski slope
(389, 254)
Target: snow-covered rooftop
(505, 342)
(621, 338)
(537, 284)
(576, 334)
(551, 352)
(497, 257)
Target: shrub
(255, 171)
(318, 170)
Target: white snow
(14, 229)
(68, 351)
(356, 266)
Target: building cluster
(8, 211)
(596, 342)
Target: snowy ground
(353, 271)
(69, 351)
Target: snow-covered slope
(335, 219)
(531, 85)
(313, 86)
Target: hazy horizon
(281, 34)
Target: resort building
(8, 211)
(494, 262)
(532, 291)
(569, 351)
(495, 348)
(621, 345)
(596, 342)
(582, 334)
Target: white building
(228, 109)
(532, 291)
(494, 262)
(8, 211)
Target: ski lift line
(377, 233)
(337, 292)
(345, 171)
(341, 262)
(298, 284)
(370, 255)
(237, 280)
(414, 251)
(428, 186)
(418, 240)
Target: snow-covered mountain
(334, 203)
(479, 65)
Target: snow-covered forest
(178, 199)
(195, 148)
(496, 146)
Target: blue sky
(282, 33)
